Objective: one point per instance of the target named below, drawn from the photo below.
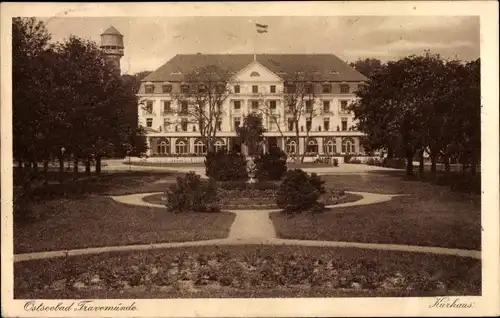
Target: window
(330, 147)
(326, 123)
(237, 122)
(181, 146)
(255, 89)
(348, 145)
(309, 107)
(344, 124)
(201, 88)
(237, 105)
(167, 107)
(149, 122)
(219, 145)
(272, 105)
(343, 106)
(308, 125)
(327, 88)
(237, 89)
(344, 88)
(219, 125)
(194, 128)
(149, 106)
(308, 88)
(272, 89)
(184, 124)
(184, 88)
(291, 146)
(254, 74)
(326, 106)
(290, 124)
(184, 107)
(312, 145)
(273, 125)
(163, 147)
(150, 89)
(199, 147)
(167, 89)
(255, 104)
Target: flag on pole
(261, 28)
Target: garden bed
(247, 271)
(252, 199)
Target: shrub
(300, 192)
(347, 158)
(271, 165)
(243, 185)
(226, 166)
(191, 194)
(335, 162)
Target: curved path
(252, 227)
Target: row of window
(167, 106)
(237, 122)
(181, 146)
(330, 147)
(289, 88)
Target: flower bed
(254, 199)
(248, 271)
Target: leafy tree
(366, 66)
(251, 132)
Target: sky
(150, 42)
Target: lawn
(247, 271)
(96, 221)
(431, 215)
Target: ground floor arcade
(191, 145)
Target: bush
(226, 166)
(243, 185)
(300, 192)
(374, 162)
(271, 165)
(191, 194)
(347, 158)
(335, 162)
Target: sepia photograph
(248, 156)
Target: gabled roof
(111, 31)
(316, 67)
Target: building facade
(112, 45)
(258, 83)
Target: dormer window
(327, 88)
(167, 88)
(344, 88)
(175, 73)
(149, 88)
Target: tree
(200, 101)
(32, 79)
(251, 132)
(366, 66)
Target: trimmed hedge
(226, 166)
(299, 192)
(271, 165)
(191, 194)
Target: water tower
(112, 44)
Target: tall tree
(203, 92)
(251, 132)
(366, 66)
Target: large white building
(256, 80)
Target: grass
(430, 216)
(100, 221)
(247, 271)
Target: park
(101, 212)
